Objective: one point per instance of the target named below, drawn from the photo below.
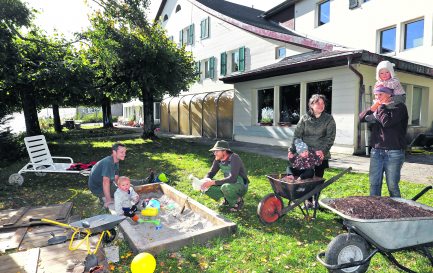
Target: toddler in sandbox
(126, 199)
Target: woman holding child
(316, 129)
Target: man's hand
(207, 185)
(375, 106)
(107, 203)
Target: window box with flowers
(267, 116)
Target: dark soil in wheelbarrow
(377, 207)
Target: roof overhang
(323, 61)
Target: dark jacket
(390, 127)
(317, 133)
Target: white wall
(224, 37)
(344, 102)
(359, 27)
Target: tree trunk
(56, 118)
(30, 112)
(147, 99)
(107, 119)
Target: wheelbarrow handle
(50, 222)
(421, 193)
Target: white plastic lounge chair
(41, 161)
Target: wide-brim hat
(221, 145)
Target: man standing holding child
(388, 140)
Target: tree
(13, 14)
(139, 55)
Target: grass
(289, 245)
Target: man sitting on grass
(105, 174)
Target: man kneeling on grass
(234, 185)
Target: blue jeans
(390, 162)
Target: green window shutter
(191, 34)
(197, 70)
(201, 29)
(242, 59)
(181, 38)
(223, 63)
(212, 67)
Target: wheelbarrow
(352, 251)
(103, 224)
(271, 207)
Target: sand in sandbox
(173, 222)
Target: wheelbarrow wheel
(269, 209)
(346, 248)
(107, 238)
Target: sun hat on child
(385, 65)
(221, 145)
(300, 146)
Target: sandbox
(184, 221)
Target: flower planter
(265, 123)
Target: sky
(69, 16)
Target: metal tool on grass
(104, 225)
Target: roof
(244, 14)
(279, 8)
(251, 20)
(319, 60)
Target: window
(387, 40)
(324, 13)
(416, 106)
(324, 88)
(235, 61)
(171, 38)
(178, 8)
(280, 52)
(353, 4)
(190, 35)
(165, 17)
(209, 68)
(290, 98)
(413, 34)
(204, 28)
(265, 98)
(186, 35)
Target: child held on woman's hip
(302, 163)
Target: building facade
(275, 60)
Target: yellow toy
(143, 263)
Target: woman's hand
(320, 154)
(290, 155)
(207, 185)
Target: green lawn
(289, 245)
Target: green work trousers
(230, 191)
